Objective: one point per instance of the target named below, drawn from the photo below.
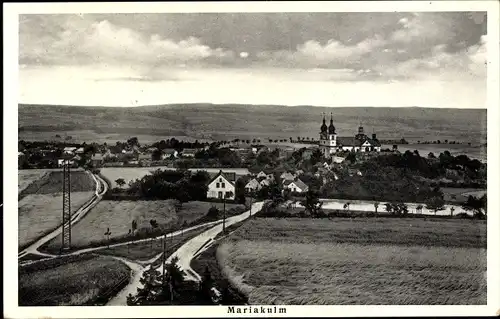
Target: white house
(261, 174)
(265, 182)
(79, 150)
(168, 153)
(221, 185)
(252, 185)
(337, 159)
(296, 186)
(61, 161)
(287, 176)
(69, 150)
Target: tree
(150, 290)
(226, 196)
(476, 205)
(435, 204)
(419, 208)
(154, 225)
(452, 209)
(311, 203)
(120, 182)
(206, 284)
(346, 206)
(376, 204)
(107, 233)
(134, 226)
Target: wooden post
(164, 259)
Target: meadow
(52, 182)
(133, 173)
(27, 176)
(39, 214)
(118, 217)
(376, 261)
(71, 281)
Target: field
(71, 281)
(459, 195)
(202, 121)
(41, 213)
(51, 183)
(27, 176)
(133, 173)
(373, 261)
(149, 249)
(118, 217)
(473, 151)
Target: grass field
(365, 261)
(76, 280)
(459, 195)
(41, 213)
(149, 249)
(118, 216)
(133, 173)
(53, 183)
(27, 176)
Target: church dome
(331, 128)
(324, 128)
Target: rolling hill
(208, 121)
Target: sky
(426, 59)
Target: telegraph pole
(66, 213)
(164, 257)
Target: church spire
(324, 128)
(331, 128)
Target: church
(330, 143)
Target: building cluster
(330, 143)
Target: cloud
(87, 41)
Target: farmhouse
(287, 176)
(296, 186)
(252, 185)
(69, 150)
(79, 150)
(329, 143)
(169, 153)
(222, 185)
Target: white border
(11, 11)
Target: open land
(133, 173)
(52, 182)
(202, 121)
(118, 217)
(75, 280)
(41, 213)
(362, 261)
(28, 176)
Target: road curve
(101, 188)
(185, 253)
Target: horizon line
(247, 104)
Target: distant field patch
(460, 195)
(118, 217)
(133, 173)
(365, 261)
(81, 181)
(27, 176)
(70, 281)
(41, 213)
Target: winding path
(185, 253)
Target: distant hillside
(199, 121)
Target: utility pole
(224, 216)
(164, 258)
(66, 213)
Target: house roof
(352, 141)
(69, 148)
(287, 182)
(300, 184)
(190, 150)
(229, 176)
(144, 156)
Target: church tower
(332, 136)
(328, 138)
